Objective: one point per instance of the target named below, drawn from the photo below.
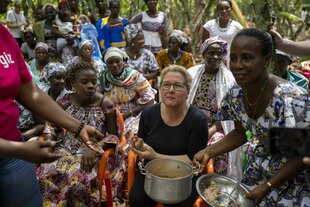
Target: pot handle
(142, 169)
(196, 168)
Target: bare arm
(301, 49)
(40, 103)
(205, 35)
(234, 139)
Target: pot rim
(178, 178)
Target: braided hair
(264, 39)
(73, 70)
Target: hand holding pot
(143, 150)
(202, 157)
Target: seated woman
(127, 88)
(72, 180)
(36, 65)
(261, 101)
(54, 76)
(174, 55)
(172, 129)
(85, 55)
(140, 58)
(211, 81)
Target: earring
(133, 44)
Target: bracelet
(77, 133)
(269, 184)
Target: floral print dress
(62, 182)
(289, 107)
(205, 99)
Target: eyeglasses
(176, 86)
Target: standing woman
(223, 26)
(37, 64)
(111, 29)
(18, 182)
(174, 55)
(125, 87)
(140, 59)
(261, 101)
(211, 82)
(154, 25)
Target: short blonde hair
(177, 69)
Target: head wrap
(86, 41)
(180, 35)
(89, 32)
(48, 4)
(288, 56)
(41, 45)
(214, 40)
(51, 68)
(131, 31)
(114, 52)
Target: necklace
(220, 28)
(259, 96)
(174, 60)
(248, 132)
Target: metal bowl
(230, 191)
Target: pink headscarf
(213, 40)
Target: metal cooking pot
(168, 181)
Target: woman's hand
(37, 151)
(202, 157)
(306, 160)
(89, 135)
(88, 160)
(143, 150)
(258, 193)
(278, 40)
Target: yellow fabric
(163, 60)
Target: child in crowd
(65, 26)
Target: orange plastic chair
(132, 160)
(103, 173)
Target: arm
(301, 49)
(40, 103)
(205, 35)
(234, 139)
(290, 170)
(36, 130)
(151, 75)
(34, 151)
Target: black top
(190, 136)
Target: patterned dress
(205, 99)
(62, 182)
(150, 28)
(145, 63)
(289, 107)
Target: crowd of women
(74, 73)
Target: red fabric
(13, 73)
(306, 73)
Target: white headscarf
(114, 52)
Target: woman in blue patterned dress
(261, 101)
